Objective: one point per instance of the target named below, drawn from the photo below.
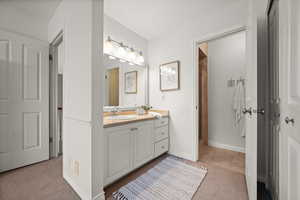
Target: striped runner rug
(170, 179)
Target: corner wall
(82, 24)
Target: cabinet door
(119, 150)
(143, 144)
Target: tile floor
(43, 181)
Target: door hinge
(50, 57)
(50, 140)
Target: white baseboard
(82, 195)
(100, 196)
(225, 146)
(75, 187)
(182, 155)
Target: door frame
(285, 61)
(196, 44)
(53, 90)
(272, 145)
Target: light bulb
(112, 57)
(140, 59)
(108, 47)
(131, 55)
(121, 53)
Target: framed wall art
(169, 76)
(131, 82)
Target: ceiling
(148, 18)
(43, 9)
(154, 18)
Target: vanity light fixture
(112, 57)
(131, 55)
(140, 58)
(117, 50)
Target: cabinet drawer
(161, 133)
(161, 122)
(161, 147)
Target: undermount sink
(121, 117)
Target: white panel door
(24, 101)
(289, 62)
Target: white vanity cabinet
(118, 161)
(129, 146)
(143, 144)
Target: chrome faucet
(115, 110)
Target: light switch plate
(76, 168)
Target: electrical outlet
(70, 164)
(76, 168)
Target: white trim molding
(81, 193)
(196, 42)
(226, 146)
(100, 196)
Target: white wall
(226, 61)
(11, 19)
(81, 22)
(180, 46)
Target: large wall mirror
(125, 84)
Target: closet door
(24, 101)
(289, 62)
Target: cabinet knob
(134, 129)
(163, 147)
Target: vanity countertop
(108, 122)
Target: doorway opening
(221, 101)
(112, 86)
(203, 92)
(56, 96)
